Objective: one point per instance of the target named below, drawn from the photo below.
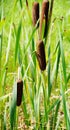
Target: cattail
(35, 13)
(27, 3)
(41, 55)
(44, 16)
(19, 92)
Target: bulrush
(44, 16)
(35, 13)
(19, 92)
(27, 3)
(41, 55)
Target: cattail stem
(19, 72)
(28, 10)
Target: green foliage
(45, 101)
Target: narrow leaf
(17, 41)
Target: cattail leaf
(1, 44)
(22, 70)
(4, 97)
(58, 61)
(13, 107)
(31, 97)
(4, 79)
(56, 47)
(33, 49)
(37, 106)
(19, 56)
(56, 113)
(30, 40)
(49, 19)
(53, 105)
(51, 8)
(43, 29)
(51, 120)
(68, 77)
(45, 104)
(33, 59)
(17, 41)
(20, 3)
(56, 67)
(1, 36)
(58, 123)
(63, 58)
(15, 31)
(9, 44)
(67, 117)
(65, 108)
(5, 119)
(15, 2)
(49, 75)
(28, 11)
(25, 74)
(24, 107)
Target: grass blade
(13, 107)
(30, 40)
(9, 43)
(24, 107)
(66, 111)
(49, 76)
(17, 41)
(20, 3)
(1, 36)
(56, 67)
(56, 114)
(53, 105)
(63, 58)
(5, 119)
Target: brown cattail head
(27, 3)
(41, 55)
(19, 92)
(44, 16)
(35, 13)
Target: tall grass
(45, 100)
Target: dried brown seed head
(45, 7)
(27, 3)
(41, 55)
(35, 13)
(44, 16)
(19, 92)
